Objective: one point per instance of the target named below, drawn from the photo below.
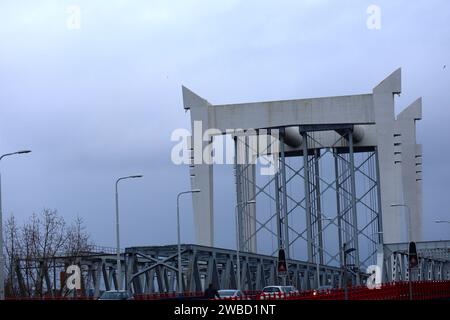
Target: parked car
(230, 293)
(290, 289)
(276, 291)
(116, 295)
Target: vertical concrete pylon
(203, 173)
(406, 126)
(418, 176)
(383, 100)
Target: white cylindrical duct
(358, 133)
(292, 137)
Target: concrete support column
(410, 167)
(202, 173)
(383, 107)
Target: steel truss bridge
(343, 167)
(153, 269)
(433, 256)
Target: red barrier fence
(421, 290)
(56, 298)
(172, 295)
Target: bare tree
(12, 248)
(78, 240)
(32, 247)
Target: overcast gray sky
(101, 101)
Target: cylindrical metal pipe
(292, 136)
(358, 133)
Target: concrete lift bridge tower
(376, 163)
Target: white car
(277, 291)
(230, 294)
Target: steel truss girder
(350, 229)
(98, 272)
(433, 262)
(203, 265)
(153, 269)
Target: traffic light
(412, 255)
(282, 269)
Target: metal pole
(244, 214)
(2, 260)
(238, 239)
(318, 204)
(118, 258)
(307, 196)
(237, 210)
(180, 270)
(353, 199)
(317, 268)
(284, 199)
(409, 240)
(2, 264)
(180, 282)
(278, 214)
(409, 223)
(380, 212)
(238, 258)
(119, 267)
(345, 272)
(318, 252)
(238, 171)
(410, 284)
(338, 205)
(345, 252)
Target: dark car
(116, 295)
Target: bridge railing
(421, 290)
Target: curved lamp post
(119, 268)
(2, 275)
(180, 282)
(322, 218)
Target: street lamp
(2, 275)
(409, 218)
(318, 253)
(119, 268)
(238, 243)
(345, 253)
(442, 221)
(180, 282)
(409, 240)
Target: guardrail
(421, 290)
